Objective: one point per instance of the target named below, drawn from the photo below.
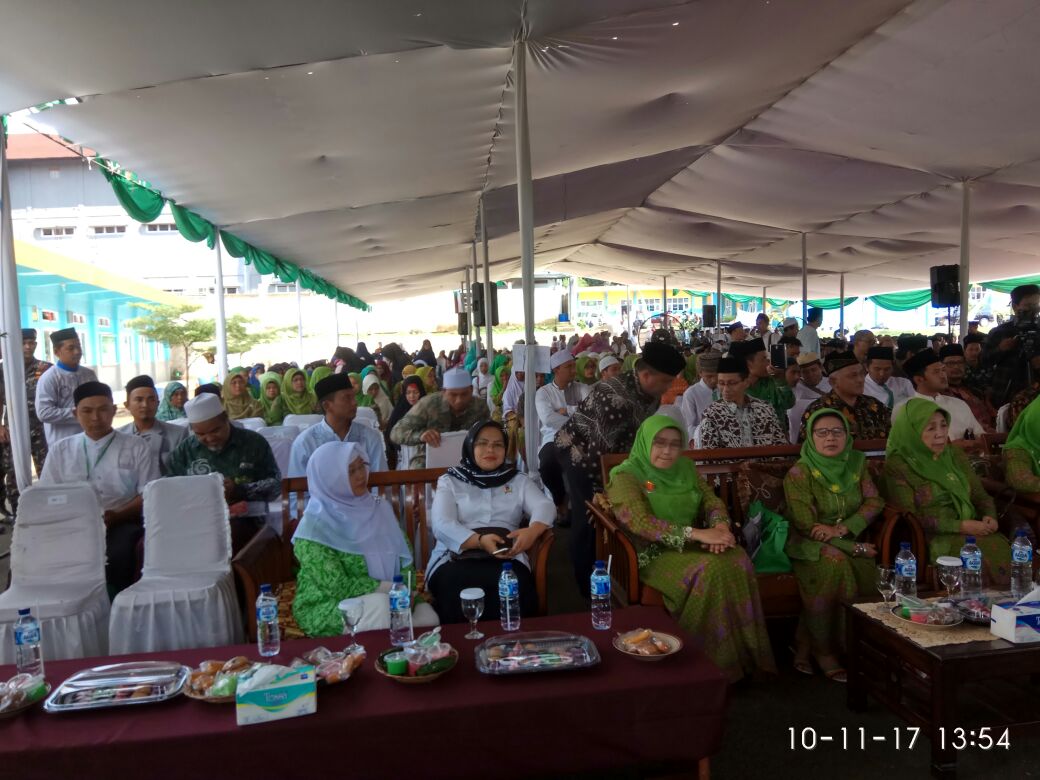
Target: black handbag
(479, 553)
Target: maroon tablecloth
(622, 713)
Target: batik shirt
(776, 394)
(979, 406)
(1021, 401)
(432, 411)
(605, 422)
(246, 460)
(868, 418)
(753, 424)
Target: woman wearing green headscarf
(1022, 451)
(319, 373)
(498, 387)
(172, 405)
(271, 398)
(238, 401)
(296, 397)
(586, 370)
(686, 550)
(930, 478)
(629, 363)
(831, 499)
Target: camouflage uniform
(37, 443)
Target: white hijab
(513, 391)
(483, 380)
(360, 525)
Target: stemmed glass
(352, 610)
(949, 573)
(472, 609)
(886, 584)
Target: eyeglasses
(830, 433)
(487, 444)
(670, 444)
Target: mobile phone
(501, 550)
(778, 356)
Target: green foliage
(243, 336)
(171, 325)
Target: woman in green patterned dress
(686, 550)
(931, 478)
(831, 500)
(1022, 451)
(349, 545)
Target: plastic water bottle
(906, 571)
(600, 590)
(509, 598)
(1021, 565)
(28, 655)
(971, 578)
(400, 613)
(268, 637)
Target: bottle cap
(23, 612)
(1020, 532)
(904, 545)
(398, 578)
(507, 566)
(600, 565)
(969, 540)
(265, 588)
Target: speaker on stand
(946, 291)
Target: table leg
(944, 715)
(856, 686)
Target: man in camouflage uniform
(34, 369)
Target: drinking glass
(886, 584)
(352, 610)
(472, 608)
(949, 573)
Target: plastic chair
(302, 421)
(58, 571)
(186, 595)
(252, 423)
(367, 416)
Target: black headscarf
(402, 407)
(426, 354)
(468, 471)
(363, 354)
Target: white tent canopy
(356, 138)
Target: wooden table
(621, 714)
(926, 686)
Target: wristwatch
(688, 533)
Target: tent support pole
(335, 317)
(664, 303)
(718, 298)
(218, 290)
(965, 269)
(299, 324)
(488, 308)
(765, 306)
(467, 296)
(474, 282)
(11, 327)
(805, 282)
(525, 211)
(628, 309)
(841, 303)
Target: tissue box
(275, 693)
(1019, 621)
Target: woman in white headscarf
(372, 387)
(349, 545)
(482, 378)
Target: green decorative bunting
(1007, 285)
(902, 301)
(140, 202)
(829, 303)
(193, 227)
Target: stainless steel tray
(535, 651)
(111, 686)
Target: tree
(241, 337)
(171, 325)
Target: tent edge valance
(144, 204)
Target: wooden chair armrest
(609, 536)
(539, 556)
(262, 560)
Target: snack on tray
(218, 679)
(20, 690)
(332, 667)
(643, 641)
(539, 654)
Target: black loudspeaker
(708, 315)
(946, 289)
(463, 324)
(478, 305)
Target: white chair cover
(58, 571)
(281, 438)
(1002, 419)
(252, 423)
(367, 415)
(186, 595)
(449, 453)
(676, 413)
(794, 418)
(302, 421)
(404, 460)
(182, 421)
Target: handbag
(772, 528)
(479, 553)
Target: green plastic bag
(770, 557)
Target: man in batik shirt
(868, 418)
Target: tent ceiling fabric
(354, 138)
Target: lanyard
(86, 456)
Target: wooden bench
(268, 558)
(726, 469)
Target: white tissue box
(275, 693)
(1019, 621)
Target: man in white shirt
(336, 396)
(142, 401)
(880, 384)
(55, 407)
(700, 395)
(808, 336)
(116, 465)
(929, 377)
(555, 403)
(813, 383)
